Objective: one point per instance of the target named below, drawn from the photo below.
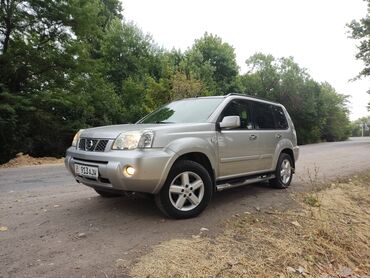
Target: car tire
(187, 191)
(283, 172)
(106, 194)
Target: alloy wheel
(186, 191)
(285, 171)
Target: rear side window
(239, 108)
(263, 117)
(280, 119)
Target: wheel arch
(193, 149)
(284, 146)
(200, 158)
(289, 152)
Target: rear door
(267, 136)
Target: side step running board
(240, 182)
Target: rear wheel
(186, 192)
(107, 194)
(284, 172)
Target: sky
(312, 31)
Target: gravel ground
(58, 228)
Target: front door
(238, 148)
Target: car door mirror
(230, 122)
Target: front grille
(92, 145)
(100, 146)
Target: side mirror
(230, 122)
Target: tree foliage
(319, 113)
(66, 65)
(50, 73)
(214, 63)
(361, 127)
(360, 30)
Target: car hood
(112, 131)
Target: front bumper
(151, 168)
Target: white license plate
(86, 171)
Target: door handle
(253, 137)
(278, 136)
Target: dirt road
(58, 228)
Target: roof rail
(256, 97)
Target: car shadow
(132, 223)
(224, 204)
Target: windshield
(195, 110)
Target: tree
(66, 65)
(360, 30)
(263, 75)
(126, 53)
(361, 127)
(335, 123)
(50, 76)
(319, 113)
(213, 62)
(183, 87)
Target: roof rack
(245, 95)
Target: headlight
(76, 138)
(133, 139)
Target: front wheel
(186, 192)
(284, 172)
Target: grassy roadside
(328, 236)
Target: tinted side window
(280, 120)
(262, 116)
(238, 108)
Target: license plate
(86, 171)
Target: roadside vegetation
(359, 30)
(326, 235)
(66, 65)
(361, 127)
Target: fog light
(129, 171)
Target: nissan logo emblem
(89, 144)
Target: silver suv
(188, 149)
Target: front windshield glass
(195, 110)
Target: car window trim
(275, 120)
(253, 115)
(247, 101)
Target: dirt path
(58, 228)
